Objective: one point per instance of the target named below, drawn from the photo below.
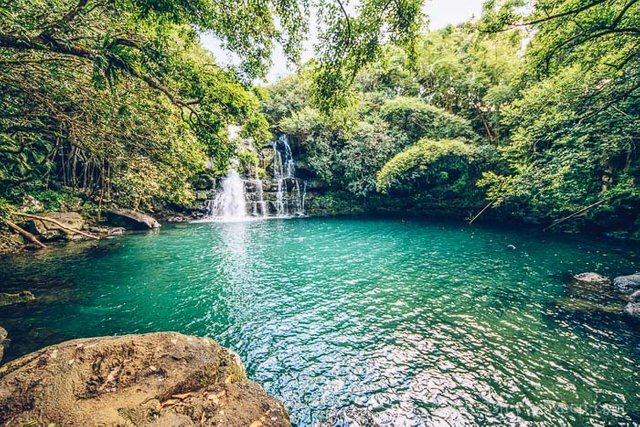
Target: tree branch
(67, 18)
(48, 43)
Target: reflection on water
(357, 322)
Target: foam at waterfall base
(248, 219)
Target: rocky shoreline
(162, 378)
(594, 293)
(50, 227)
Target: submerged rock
(627, 283)
(131, 220)
(585, 305)
(161, 378)
(17, 298)
(633, 308)
(592, 293)
(591, 286)
(593, 278)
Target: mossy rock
(16, 298)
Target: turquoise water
(356, 321)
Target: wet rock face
(131, 220)
(153, 379)
(627, 283)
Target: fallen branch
(480, 213)
(59, 224)
(25, 233)
(593, 205)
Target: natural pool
(359, 321)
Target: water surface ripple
(360, 322)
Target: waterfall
(259, 205)
(240, 199)
(304, 196)
(230, 203)
(279, 176)
(284, 174)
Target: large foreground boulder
(163, 379)
(627, 283)
(131, 219)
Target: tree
(443, 171)
(574, 129)
(417, 119)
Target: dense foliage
(418, 129)
(574, 126)
(116, 101)
(541, 103)
(531, 110)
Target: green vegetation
(532, 111)
(534, 115)
(118, 102)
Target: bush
(440, 169)
(417, 120)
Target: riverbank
(28, 231)
(319, 204)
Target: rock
(590, 286)
(116, 231)
(161, 378)
(178, 218)
(31, 204)
(633, 307)
(3, 341)
(96, 229)
(107, 231)
(131, 220)
(627, 283)
(588, 306)
(50, 231)
(17, 298)
(10, 242)
(591, 278)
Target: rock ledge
(131, 219)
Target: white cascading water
(283, 171)
(230, 203)
(259, 205)
(279, 177)
(233, 203)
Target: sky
(441, 13)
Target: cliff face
(161, 378)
